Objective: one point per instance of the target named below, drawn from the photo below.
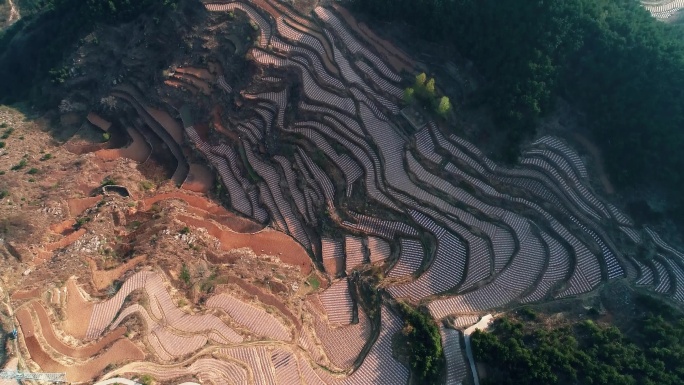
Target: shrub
(146, 185)
(409, 95)
(33, 171)
(46, 157)
(185, 274)
(2, 144)
(108, 181)
(22, 163)
(444, 107)
(4, 194)
(7, 133)
(106, 136)
(80, 222)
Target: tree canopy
(610, 58)
(583, 353)
(33, 48)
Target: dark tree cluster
(610, 58)
(583, 353)
(422, 343)
(33, 49)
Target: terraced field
(321, 152)
(663, 9)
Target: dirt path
(598, 160)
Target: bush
(33, 171)
(2, 144)
(146, 185)
(80, 222)
(46, 157)
(185, 274)
(106, 136)
(4, 194)
(7, 133)
(108, 181)
(22, 163)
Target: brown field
(267, 241)
(200, 179)
(103, 278)
(77, 310)
(207, 209)
(201, 73)
(83, 352)
(333, 266)
(27, 294)
(64, 242)
(78, 205)
(138, 150)
(97, 121)
(122, 351)
(63, 228)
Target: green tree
(409, 95)
(444, 106)
(430, 88)
(420, 80)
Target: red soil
(83, 352)
(78, 312)
(26, 294)
(207, 209)
(201, 73)
(267, 241)
(333, 266)
(64, 242)
(103, 278)
(200, 179)
(138, 150)
(98, 121)
(63, 228)
(122, 351)
(78, 205)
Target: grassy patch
(313, 282)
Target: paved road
(481, 325)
